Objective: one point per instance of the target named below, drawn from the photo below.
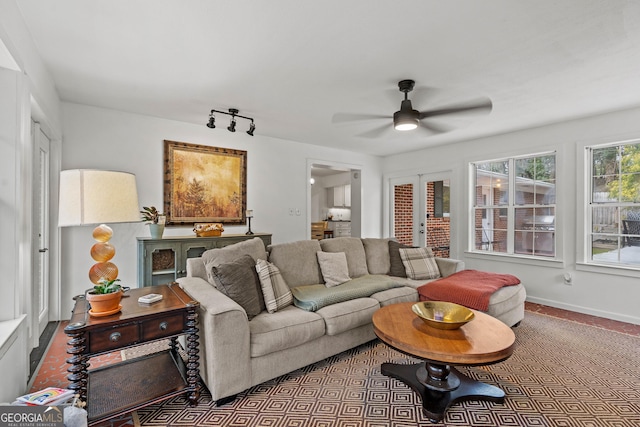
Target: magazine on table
(47, 396)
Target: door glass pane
(437, 226)
(403, 213)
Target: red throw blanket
(471, 288)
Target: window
(514, 205)
(614, 206)
(441, 199)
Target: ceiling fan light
(403, 121)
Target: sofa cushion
(396, 266)
(348, 315)
(286, 328)
(297, 261)
(353, 249)
(334, 268)
(419, 263)
(213, 257)
(396, 295)
(377, 254)
(239, 281)
(275, 291)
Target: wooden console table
(123, 387)
(165, 260)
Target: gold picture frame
(204, 184)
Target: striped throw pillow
(275, 290)
(419, 263)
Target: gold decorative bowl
(443, 315)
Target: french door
(420, 211)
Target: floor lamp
(98, 197)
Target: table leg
(78, 362)
(440, 386)
(193, 364)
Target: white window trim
(583, 222)
(557, 260)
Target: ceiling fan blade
(354, 117)
(476, 105)
(435, 128)
(376, 132)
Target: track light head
(252, 128)
(232, 125)
(212, 122)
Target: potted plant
(105, 297)
(155, 219)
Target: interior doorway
(421, 211)
(335, 198)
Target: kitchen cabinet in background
(341, 196)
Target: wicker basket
(212, 233)
(213, 229)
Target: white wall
(276, 181)
(597, 291)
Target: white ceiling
(293, 64)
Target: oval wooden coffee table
(482, 341)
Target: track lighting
(233, 112)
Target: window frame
(588, 205)
(511, 207)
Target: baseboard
(585, 310)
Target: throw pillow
(333, 265)
(396, 265)
(214, 257)
(275, 290)
(419, 263)
(239, 281)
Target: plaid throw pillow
(419, 263)
(276, 292)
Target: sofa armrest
(448, 266)
(224, 339)
(195, 268)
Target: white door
(40, 300)
(417, 218)
(436, 191)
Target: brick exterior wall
(403, 213)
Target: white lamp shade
(97, 197)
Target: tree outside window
(615, 204)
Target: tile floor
(52, 371)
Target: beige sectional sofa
(237, 353)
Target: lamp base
(249, 232)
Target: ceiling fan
(407, 118)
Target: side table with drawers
(132, 384)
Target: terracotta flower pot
(104, 303)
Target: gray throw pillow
(239, 281)
(397, 266)
(335, 270)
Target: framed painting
(204, 184)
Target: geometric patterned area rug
(562, 373)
